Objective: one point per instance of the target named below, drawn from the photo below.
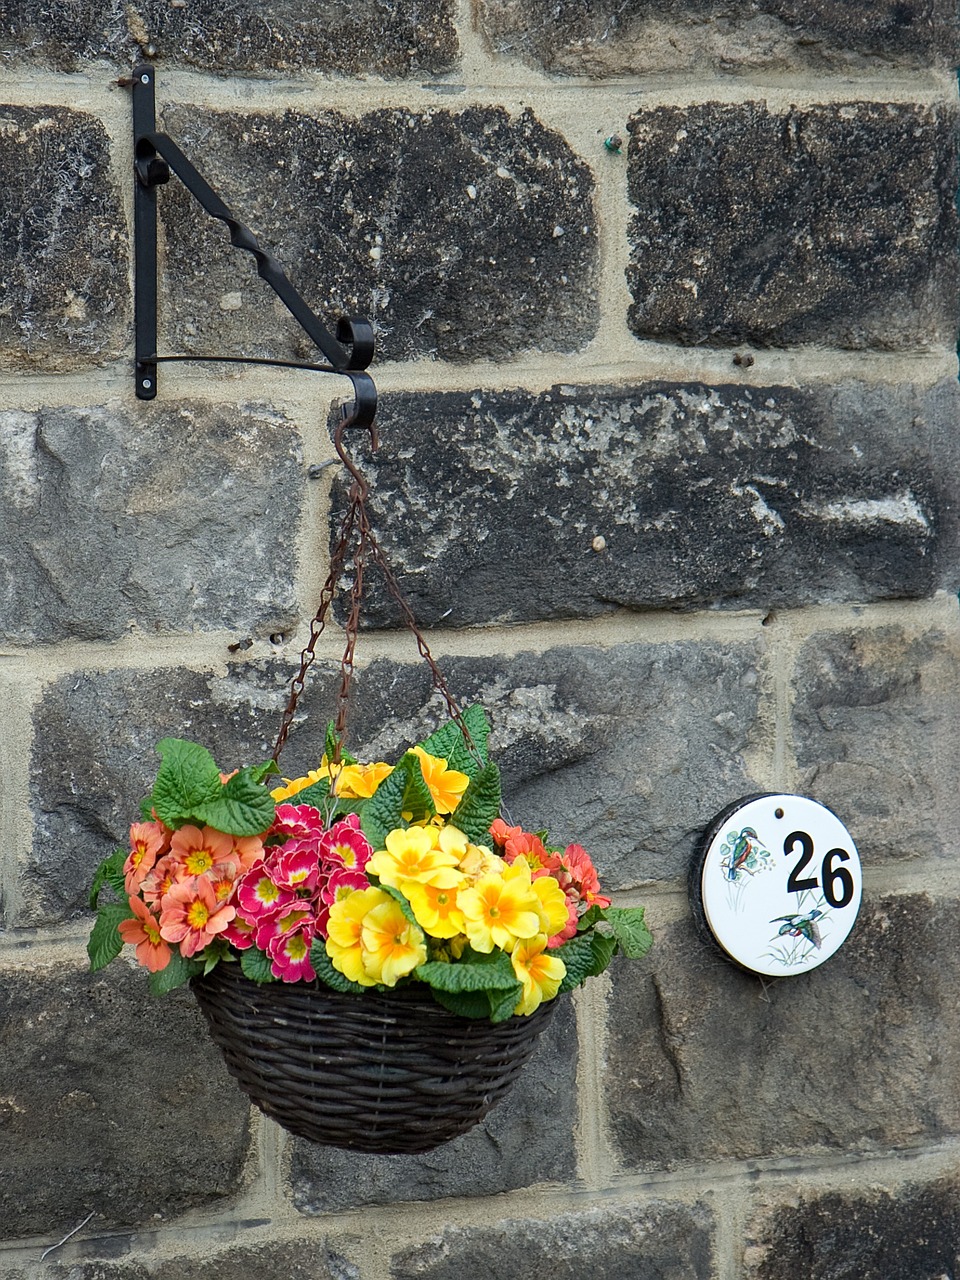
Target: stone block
(640, 37)
(526, 1139)
(489, 505)
(171, 517)
(64, 295)
(229, 37)
(629, 750)
(908, 1233)
(313, 1259)
(461, 235)
(832, 224)
(876, 725)
(707, 1063)
(658, 1241)
(111, 1101)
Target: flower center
(197, 914)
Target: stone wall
(669, 466)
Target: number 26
(832, 876)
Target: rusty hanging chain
(356, 527)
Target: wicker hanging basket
(388, 1074)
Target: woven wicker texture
(379, 1073)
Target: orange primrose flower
(192, 916)
(143, 932)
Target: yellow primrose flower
(291, 786)
(360, 781)
(497, 911)
(554, 909)
(392, 946)
(413, 855)
(436, 908)
(344, 932)
(446, 785)
(478, 861)
(540, 974)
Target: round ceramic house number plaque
(778, 884)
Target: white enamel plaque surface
(780, 884)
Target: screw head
(146, 384)
(144, 79)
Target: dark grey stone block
(461, 235)
(172, 517)
(907, 1234)
(64, 293)
(642, 36)
(875, 732)
(313, 1259)
(659, 1241)
(831, 224)
(629, 750)
(111, 1101)
(226, 37)
(526, 1139)
(706, 1063)
(488, 504)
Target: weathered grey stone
(876, 726)
(169, 518)
(526, 1139)
(908, 1234)
(628, 750)
(640, 37)
(313, 1259)
(659, 1241)
(110, 1101)
(705, 1063)
(833, 224)
(63, 241)
(259, 37)
(461, 235)
(488, 504)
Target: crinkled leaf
(325, 971)
(255, 965)
(105, 943)
(110, 871)
(398, 897)
(188, 778)
(466, 1004)
(316, 795)
(630, 931)
(464, 757)
(577, 956)
(178, 971)
(260, 771)
(213, 953)
(503, 1003)
(331, 741)
(589, 918)
(495, 974)
(242, 807)
(404, 791)
(480, 805)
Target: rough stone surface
(313, 1259)
(641, 37)
(833, 224)
(658, 1241)
(629, 750)
(260, 37)
(909, 1234)
(489, 504)
(63, 290)
(111, 1101)
(172, 517)
(460, 235)
(876, 725)
(706, 1063)
(526, 1139)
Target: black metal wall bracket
(155, 156)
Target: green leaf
(577, 955)
(496, 974)
(479, 806)
(260, 771)
(105, 943)
(331, 741)
(213, 953)
(503, 1003)
(466, 1004)
(630, 930)
(323, 966)
(178, 971)
(398, 897)
(188, 778)
(404, 791)
(462, 757)
(110, 871)
(255, 965)
(316, 795)
(589, 918)
(242, 807)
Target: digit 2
(794, 883)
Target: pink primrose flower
(239, 933)
(341, 882)
(296, 866)
(291, 958)
(583, 874)
(258, 893)
(272, 930)
(345, 844)
(301, 821)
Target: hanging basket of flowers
(375, 947)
